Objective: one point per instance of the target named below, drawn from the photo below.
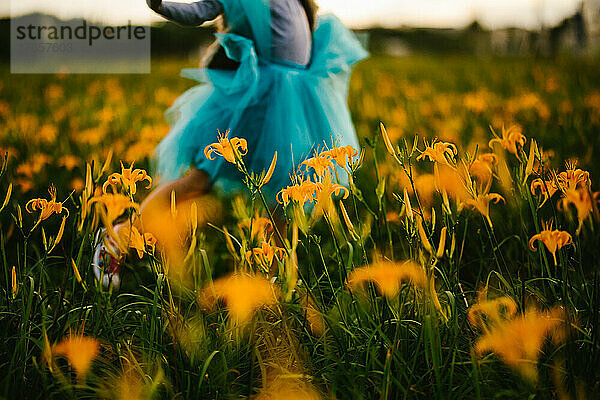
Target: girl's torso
(290, 34)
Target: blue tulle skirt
(275, 106)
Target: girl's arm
(191, 14)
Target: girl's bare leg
(155, 210)
(194, 184)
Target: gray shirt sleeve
(191, 14)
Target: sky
(355, 13)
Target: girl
(279, 79)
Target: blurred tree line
(568, 37)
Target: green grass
(159, 335)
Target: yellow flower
(265, 254)
(319, 164)
(139, 150)
(243, 295)
(451, 181)
(115, 205)
(69, 162)
(582, 200)
(77, 184)
(511, 138)
(518, 341)
(327, 188)
(54, 92)
(340, 154)
(80, 351)
(481, 203)
(477, 101)
(573, 178)
(397, 178)
(92, 136)
(171, 227)
(260, 227)
(438, 152)
(47, 208)
(48, 133)
(302, 190)
(488, 313)
(227, 148)
(130, 237)
(481, 168)
(388, 276)
(128, 178)
(25, 185)
(425, 187)
(552, 239)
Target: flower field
(460, 261)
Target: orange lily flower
(341, 154)
(80, 351)
(487, 313)
(325, 189)
(582, 201)
(552, 239)
(482, 204)
(115, 204)
(319, 164)
(438, 152)
(518, 341)
(573, 178)
(69, 162)
(328, 188)
(481, 168)
(546, 189)
(452, 181)
(511, 137)
(128, 178)
(227, 148)
(243, 295)
(265, 254)
(302, 191)
(46, 207)
(130, 237)
(388, 276)
(260, 227)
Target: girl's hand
(154, 4)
